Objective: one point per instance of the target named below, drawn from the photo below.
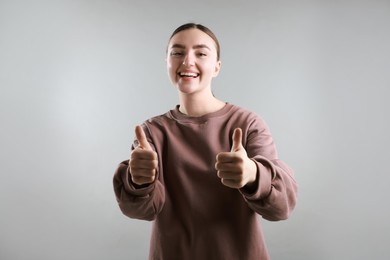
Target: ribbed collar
(183, 118)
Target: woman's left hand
(234, 168)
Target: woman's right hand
(143, 160)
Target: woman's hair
(199, 27)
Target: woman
(206, 171)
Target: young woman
(207, 170)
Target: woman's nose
(188, 60)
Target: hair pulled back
(199, 27)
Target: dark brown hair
(199, 27)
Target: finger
(237, 140)
(142, 180)
(230, 174)
(227, 157)
(147, 173)
(141, 138)
(143, 164)
(141, 154)
(231, 167)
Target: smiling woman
(192, 62)
(205, 171)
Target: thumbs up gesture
(235, 168)
(143, 160)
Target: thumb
(237, 140)
(141, 138)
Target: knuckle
(132, 163)
(218, 166)
(155, 164)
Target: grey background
(77, 76)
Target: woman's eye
(202, 54)
(176, 54)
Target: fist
(234, 168)
(143, 160)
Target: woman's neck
(198, 106)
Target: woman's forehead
(191, 37)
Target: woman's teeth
(188, 74)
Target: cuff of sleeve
(264, 178)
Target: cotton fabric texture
(194, 215)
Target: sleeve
(137, 202)
(276, 193)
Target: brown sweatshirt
(195, 215)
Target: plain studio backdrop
(77, 76)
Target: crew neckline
(176, 114)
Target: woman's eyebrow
(201, 46)
(198, 46)
(178, 46)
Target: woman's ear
(217, 68)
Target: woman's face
(192, 61)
